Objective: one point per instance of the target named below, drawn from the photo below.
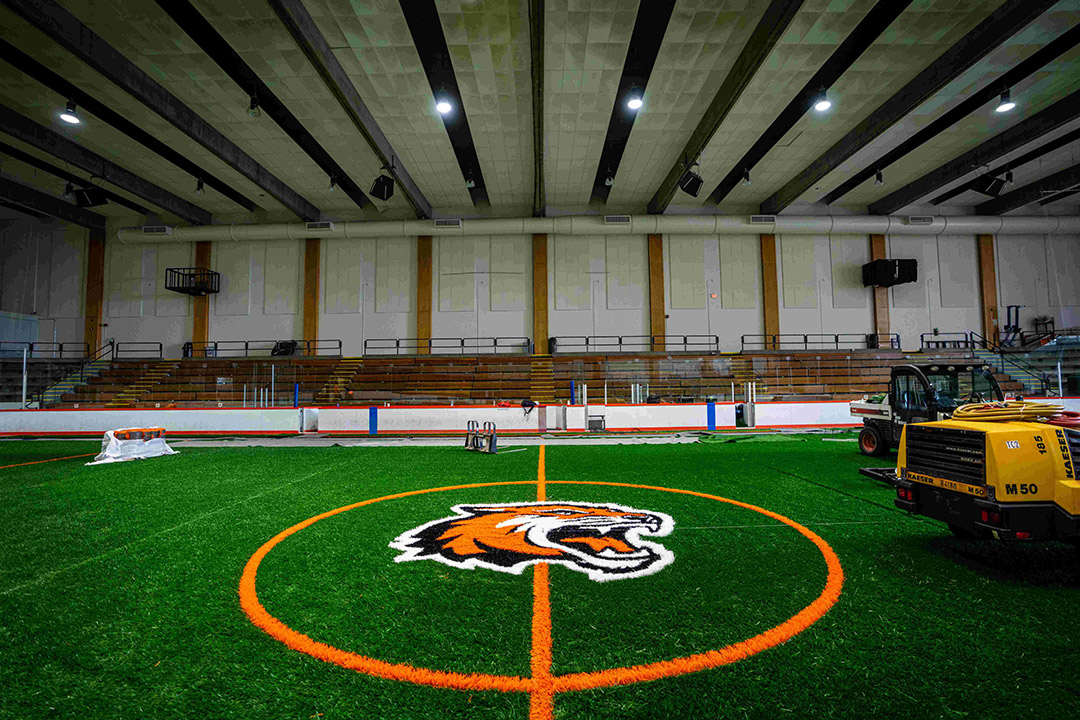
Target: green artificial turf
(118, 589)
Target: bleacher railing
(1010, 363)
(44, 350)
(449, 346)
(137, 351)
(816, 342)
(75, 375)
(946, 341)
(700, 344)
(262, 348)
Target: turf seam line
(891, 510)
(38, 462)
(781, 525)
(45, 577)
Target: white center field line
(46, 576)
(782, 525)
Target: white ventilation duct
(637, 225)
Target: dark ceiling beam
(25, 211)
(1055, 144)
(768, 32)
(650, 25)
(422, 17)
(536, 68)
(1002, 24)
(1029, 130)
(1059, 196)
(53, 143)
(1059, 183)
(23, 62)
(26, 64)
(45, 204)
(40, 164)
(989, 92)
(296, 19)
(70, 33)
(854, 45)
(199, 29)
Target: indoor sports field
(162, 588)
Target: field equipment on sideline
(1001, 470)
(132, 444)
(918, 393)
(484, 440)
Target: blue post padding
(572, 398)
(711, 414)
(373, 421)
(296, 394)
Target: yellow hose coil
(1010, 410)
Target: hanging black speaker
(89, 197)
(383, 187)
(691, 182)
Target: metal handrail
(945, 341)
(449, 345)
(978, 340)
(45, 350)
(634, 343)
(792, 342)
(259, 348)
(79, 374)
(140, 349)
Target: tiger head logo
(603, 541)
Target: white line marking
(45, 577)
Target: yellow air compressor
(1003, 470)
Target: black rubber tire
(872, 442)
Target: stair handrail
(978, 340)
(99, 354)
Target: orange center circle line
(563, 683)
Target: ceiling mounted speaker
(383, 187)
(989, 185)
(90, 197)
(691, 183)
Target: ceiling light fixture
(1005, 104)
(199, 187)
(879, 179)
(821, 101)
(443, 106)
(746, 177)
(69, 115)
(253, 107)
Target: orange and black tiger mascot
(603, 541)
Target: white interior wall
(42, 277)
(712, 286)
(368, 291)
(260, 292)
(1041, 273)
(481, 287)
(819, 281)
(598, 286)
(946, 295)
(137, 307)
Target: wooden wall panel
(200, 325)
(312, 257)
(881, 294)
(657, 311)
(988, 284)
(95, 289)
(423, 290)
(540, 293)
(770, 295)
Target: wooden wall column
(200, 323)
(423, 292)
(312, 247)
(540, 294)
(657, 311)
(988, 283)
(95, 289)
(770, 295)
(882, 324)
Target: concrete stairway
(54, 393)
(339, 381)
(1032, 383)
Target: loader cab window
(955, 389)
(908, 394)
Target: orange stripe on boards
(38, 462)
(542, 697)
